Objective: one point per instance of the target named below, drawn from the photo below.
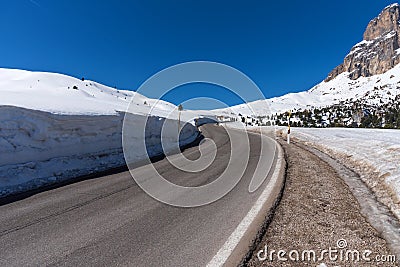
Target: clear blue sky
(284, 47)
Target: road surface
(110, 220)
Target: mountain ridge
(378, 51)
(369, 75)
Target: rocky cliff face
(378, 52)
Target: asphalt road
(110, 220)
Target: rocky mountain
(363, 91)
(378, 51)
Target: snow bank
(39, 148)
(373, 153)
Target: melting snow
(373, 153)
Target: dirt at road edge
(316, 212)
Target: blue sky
(283, 47)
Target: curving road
(110, 221)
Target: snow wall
(39, 148)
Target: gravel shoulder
(318, 212)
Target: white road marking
(226, 250)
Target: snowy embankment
(54, 127)
(373, 153)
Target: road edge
(369, 216)
(240, 245)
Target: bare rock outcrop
(378, 52)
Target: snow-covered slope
(372, 90)
(54, 127)
(62, 94)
